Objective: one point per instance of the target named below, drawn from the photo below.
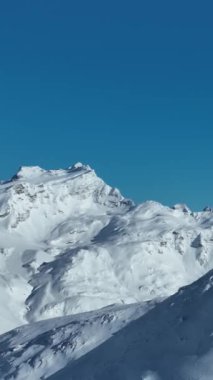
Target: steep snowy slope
(40, 349)
(69, 243)
(173, 341)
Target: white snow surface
(41, 349)
(71, 247)
(172, 341)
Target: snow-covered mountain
(85, 262)
(47, 219)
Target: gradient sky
(125, 86)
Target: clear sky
(125, 86)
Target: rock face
(71, 244)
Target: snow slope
(173, 341)
(70, 244)
(40, 349)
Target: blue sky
(126, 87)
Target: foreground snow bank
(173, 341)
(40, 349)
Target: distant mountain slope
(44, 214)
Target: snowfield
(95, 281)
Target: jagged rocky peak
(182, 207)
(208, 209)
(54, 192)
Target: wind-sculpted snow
(71, 244)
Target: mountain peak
(79, 166)
(28, 172)
(182, 207)
(36, 174)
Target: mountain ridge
(71, 245)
